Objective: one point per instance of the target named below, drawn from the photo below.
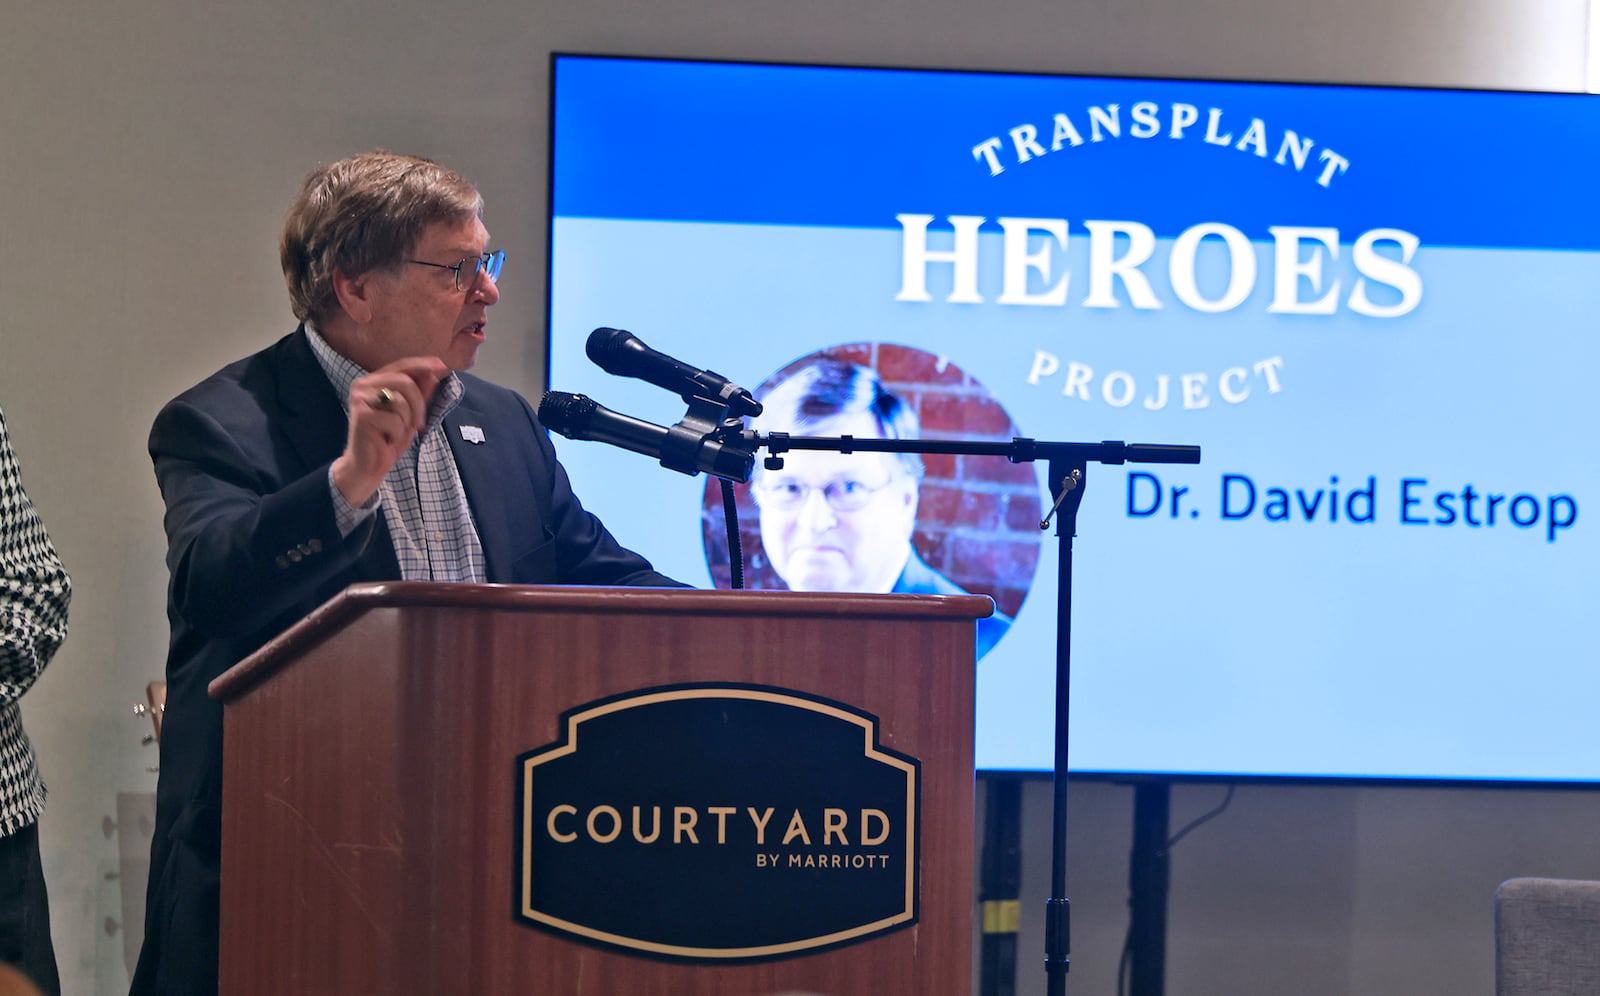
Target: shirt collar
(342, 372)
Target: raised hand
(388, 407)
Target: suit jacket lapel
(481, 464)
(315, 424)
(313, 420)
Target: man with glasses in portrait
(354, 449)
(843, 522)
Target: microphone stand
(708, 425)
(1066, 474)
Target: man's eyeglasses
(467, 268)
(842, 496)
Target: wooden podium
(373, 827)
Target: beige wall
(147, 151)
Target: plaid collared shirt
(422, 500)
(34, 593)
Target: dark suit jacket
(252, 546)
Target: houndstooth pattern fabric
(34, 593)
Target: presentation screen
(1373, 309)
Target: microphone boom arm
(1019, 450)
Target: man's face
(816, 545)
(417, 310)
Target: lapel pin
(472, 434)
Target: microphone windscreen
(606, 347)
(565, 413)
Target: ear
(355, 294)
(908, 505)
(910, 492)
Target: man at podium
(354, 449)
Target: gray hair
(825, 390)
(364, 213)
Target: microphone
(621, 353)
(576, 416)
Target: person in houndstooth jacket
(34, 592)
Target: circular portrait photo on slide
(883, 522)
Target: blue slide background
(742, 216)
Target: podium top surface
(358, 599)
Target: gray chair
(1547, 937)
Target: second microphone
(577, 416)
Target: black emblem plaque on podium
(717, 823)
